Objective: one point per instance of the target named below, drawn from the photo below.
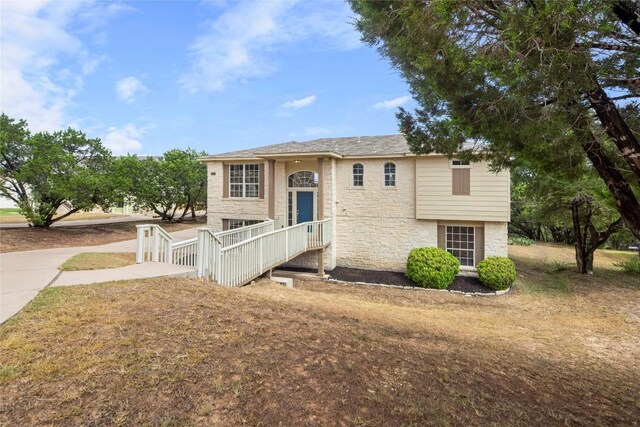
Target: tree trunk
(626, 11)
(584, 260)
(626, 201)
(617, 129)
(184, 212)
(587, 237)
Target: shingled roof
(348, 146)
(352, 146)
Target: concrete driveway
(24, 274)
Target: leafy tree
(528, 79)
(578, 211)
(42, 172)
(170, 186)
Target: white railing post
(218, 265)
(286, 244)
(155, 253)
(167, 252)
(201, 252)
(140, 236)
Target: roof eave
(298, 155)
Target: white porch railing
(185, 252)
(153, 244)
(237, 235)
(239, 263)
(234, 257)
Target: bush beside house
(497, 272)
(432, 267)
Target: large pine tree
(525, 78)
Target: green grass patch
(8, 373)
(48, 298)
(9, 212)
(98, 261)
(554, 284)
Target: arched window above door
(303, 179)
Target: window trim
(448, 249)
(461, 165)
(243, 221)
(244, 182)
(384, 174)
(316, 179)
(354, 174)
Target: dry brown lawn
(26, 239)
(98, 261)
(183, 352)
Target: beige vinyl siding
(488, 198)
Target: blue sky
(148, 76)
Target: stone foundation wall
(495, 239)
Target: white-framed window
(460, 164)
(389, 174)
(244, 180)
(358, 175)
(460, 242)
(290, 208)
(303, 179)
(238, 223)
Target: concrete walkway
(73, 223)
(24, 274)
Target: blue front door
(304, 203)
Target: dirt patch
(26, 239)
(460, 283)
(179, 351)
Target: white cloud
(124, 140)
(296, 104)
(43, 60)
(128, 88)
(391, 103)
(239, 44)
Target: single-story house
(383, 199)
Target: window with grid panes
(358, 175)
(389, 175)
(244, 180)
(238, 223)
(460, 242)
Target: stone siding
(495, 239)
(376, 225)
(219, 208)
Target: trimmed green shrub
(520, 241)
(432, 267)
(497, 272)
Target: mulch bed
(347, 274)
(460, 283)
